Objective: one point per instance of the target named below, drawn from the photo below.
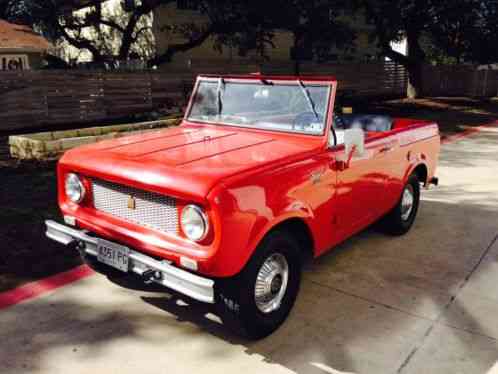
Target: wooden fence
(459, 81)
(374, 79)
(37, 98)
(365, 79)
(33, 99)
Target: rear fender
(411, 170)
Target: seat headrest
(367, 122)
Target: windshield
(264, 105)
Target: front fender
(246, 215)
(260, 232)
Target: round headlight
(194, 223)
(75, 190)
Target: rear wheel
(258, 300)
(400, 219)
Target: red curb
(43, 286)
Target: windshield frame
(329, 84)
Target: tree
(228, 22)
(466, 30)
(462, 30)
(315, 25)
(396, 20)
(87, 30)
(5, 6)
(244, 24)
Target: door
(391, 159)
(361, 189)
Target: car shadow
(338, 316)
(337, 325)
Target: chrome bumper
(189, 284)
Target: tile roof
(21, 37)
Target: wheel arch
(421, 171)
(295, 226)
(300, 230)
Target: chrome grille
(152, 210)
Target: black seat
(366, 122)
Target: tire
(399, 221)
(236, 297)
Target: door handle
(386, 149)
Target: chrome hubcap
(407, 202)
(271, 283)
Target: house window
(187, 4)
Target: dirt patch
(28, 196)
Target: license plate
(113, 254)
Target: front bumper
(194, 286)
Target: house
(21, 48)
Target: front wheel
(400, 219)
(258, 300)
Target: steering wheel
(305, 119)
(240, 119)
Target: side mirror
(354, 144)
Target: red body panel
(249, 181)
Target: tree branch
(128, 32)
(80, 43)
(89, 23)
(128, 38)
(181, 47)
(112, 25)
(141, 30)
(382, 35)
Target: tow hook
(75, 244)
(149, 276)
(434, 181)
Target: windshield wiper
(308, 99)
(219, 91)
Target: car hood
(185, 161)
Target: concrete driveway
(423, 303)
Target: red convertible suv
(260, 176)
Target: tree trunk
(297, 67)
(416, 58)
(127, 38)
(297, 55)
(415, 81)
